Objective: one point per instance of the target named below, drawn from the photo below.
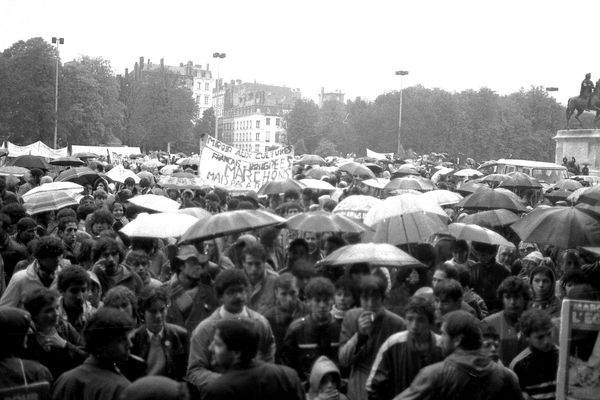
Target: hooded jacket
(464, 375)
(322, 367)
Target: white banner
(34, 149)
(225, 165)
(379, 156)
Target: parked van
(545, 172)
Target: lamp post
(218, 56)
(58, 42)
(401, 74)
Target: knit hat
(534, 256)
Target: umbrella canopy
(356, 169)
(229, 223)
(398, 192)
(495, 179)
(567, 184)
(155, 203)
(443, 197)
(198, 212)
(468, 172)
(563, 227)
(85, 155)
(476, 233)
(48, 201)
(376, 183)
(7, 170)
(161, 225)
(521, 180)
(491, 218)
(188, 161)
(558, 195)
(574, 197)
(151, 164)
(318, 173)
(169, 169)
(171, 182)
(403, 204)
(275, 187)
(441, 171)
(146, 174)
(405, 169)
(413, 227)
(356, 206)
(70, 188)
(591, 196)
(382, 254)
(323, 221)
(376, 168)
(67, 162)
(317, 184)
(490, 199)
(30, 162)
(119, 174)
(470, 187)
(410, 182)
(311, 159)
(81, 175)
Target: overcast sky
(353, 46)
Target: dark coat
(187, 311)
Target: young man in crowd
(403, 354)
(466, 373)
(67, 232)
(536, 366)
(363, 332)
(232, 288)
(73, 283)
(108, 267)
(262, 279)
(11, 251)
(487, 275)
(314, 335)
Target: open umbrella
(48, 201)
(356, 169)
(476, 233)
(376, 183)
(404, 170)
(491, 218)
(398, 192)
(275, 187)
(155, 203)
(520, 180)
(70, 188)
(198, 212)
(414, 227)
(151, 164)
(7, 170)
(317, 184)
(148, 175)
(443, 197)
(323, 221)
(403, 204)
(558, 195)
(169, 169)
(195, 160)
(490, 199)
(318, 173)
(67, 162)
(356, 206)
(30, 162)
(119, 174)
(229, 223)
(567, 184)
(467, 173)
(590, 196)
(170, 182)
(495, 179)
(380, 254)
(410, 182)
(563, 227)
(161, 225)
(81, 175)
(376, 168)
(86, 154)
(470, 187)
(311, 159)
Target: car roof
(529, 164)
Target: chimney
(149, 63)
(208, 67)
(162, 63)
(141, 63)
(126, 72)
(136, 72)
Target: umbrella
(563, 227)
(151, 164)
(495, 179)
(376, 168)
(574, 197)
(442, 171)
(403, 204)
(323, 221)
(318, 173)
(198, 212)
(86, 154)
(30, 162)
(146, 174)
(229, 223)
(558, 195)
(468, 172)
(356, 169)
(161, 225)
(275, 187)
(184, 175)
(311, 159)
(470, 187)
(443, 197)
(490, 199)
(476, 233)
(119, 174)
(316, 184)
(491, 218)
(382, 254)
(414, 227)
(521, 180)
(48, 201)
(82, 175)
(188, 161)
(567, 184)
(67, 162)
(169, 182)
(155, 203)
(70, 188)
(591, 196)
(410, 182)
(398, 192)
(356, 206)
(7, 170)
(405, 169)
(169, 169)
(377, 183)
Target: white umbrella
(169, 169)
(468, 172)
(161, 225)
(155, 203)
(70, 188)
(119, 174)
(398, 205)
(382, 254)
(476, 233)
(317, 184)
(442, 197)
(356, 206)
(377, 183)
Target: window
(267, 136)
(206, 86)
(268, 122)
(206, 100)
(257, 123)
(277, 122)
(258, 136)
(197, 99)
(257, 148)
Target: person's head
(152, 306)
(588, 76)
(14, 325)
(485, 253)
(106, 335)
(67, 230)
(286, 292)
(357, 271)
(48, 252)
(101, 220)
(139, 262)
(571, 279)
(568, 260)
(325, 379)
(419, 314)
(298, 250)
(73, 283)
(537, 327)
(426, 254)
(443, 272)
(190, 265)
(515, 295)
(270, 237)
(345, 293)
(108, 251)
(372, 293)
(491, 343)
(505, 255)
(129, 184)
(542, 282)
(448, 296)
(231, 287)
(42, 304)
(460, 330)
(312, 240)
(4, 224)
(235, 343)
(100, 198)
(117, 209)
(307, 196)
(460, 252)
(291, 195)
(526, 248)
(254, 258)
(15, 212)
(319, 294)
(122, 298)
(26, 230)
(213, 202)
(35, 176)
(332, 243)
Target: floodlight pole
(58, 42)
(401, 74)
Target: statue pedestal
(583, 144)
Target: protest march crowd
(354, 280)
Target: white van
(545, 172)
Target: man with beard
(466, 373)
(40, 273)
(73, 283)
(262, 279)
(108, 267)
(67, 231)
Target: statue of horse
(581, 104)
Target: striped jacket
(536, 371)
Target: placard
(225, 165)
(379, 156)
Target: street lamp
(58, 42)
(217, 56)
(401, 73)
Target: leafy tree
(302, 125)
(205, 125)
(326, 148)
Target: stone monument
(583, 144)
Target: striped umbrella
(48, 201)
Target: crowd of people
(95, 314)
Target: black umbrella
(30, 162)
(81, 175)
(67, 162)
